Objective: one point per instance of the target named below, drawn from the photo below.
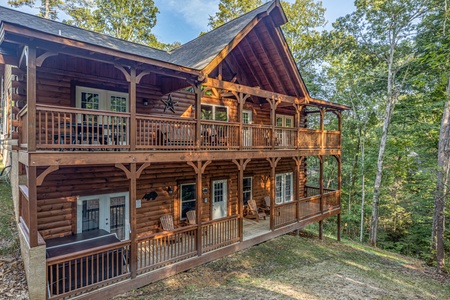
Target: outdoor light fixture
(205, 190)
(145, 101)
(170, 190)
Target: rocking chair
(253, 212)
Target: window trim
(181, 197)
(284, 117)
(251, 187)
(283, 187)
(214, 111)
(104, 103)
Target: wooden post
(133, 258)
(198, 113)
(321, 230)
(241, 164)
(132, 95)
(298, 109)
(321, 159)
(273, 164)
(273, 107)
(241, 108)
(32, 206)
(322, 128)
(339, 227)
(31, 99)
(298, 162)
(199, 169)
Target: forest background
(389, 60)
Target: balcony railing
(60, 128)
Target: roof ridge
(224, 24)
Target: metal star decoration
(169, 104)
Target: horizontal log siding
(57, 195)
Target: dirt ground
(287, 267)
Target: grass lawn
(8, 233)
(291, 267)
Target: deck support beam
(273, 165)
(338, 235)
(298, 163)
(320, 230)
(199, 169)
(241, 164)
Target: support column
(298, 109)
(273, 164)
(199, 168)
(32, 206)
(273, 107)
(198, 113)
(242, 164)
(338, 227)
(132, 95)
(30, 53)
(338, 158)
(321, 158)
(133, 174)
(322, 127)
(241, 100)
(298, 162)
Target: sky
(183, 20)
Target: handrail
(209, 122)
(170, 118)
(166, 233)
(83, 253)
(82, 110)
(285, 203)
(220, 220)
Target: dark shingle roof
(195, 54)
(199, 52)
(71, 32)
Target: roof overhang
(20, 35)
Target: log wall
(57, 196)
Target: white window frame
(214, 106)
(282, 198)
(284, 117)
(104, 97)
(181, 198)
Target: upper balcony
(75, 129)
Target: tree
(230, 9)
(47, 9)
(385, 29)
(434, 42)
(130, 20)
(304, 40)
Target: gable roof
(195, 54)
(198, 53)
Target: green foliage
(47, 9)
(125, 19)
(231, 9)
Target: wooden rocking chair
(167, 223)
(253, 212)
(266, 207)
(191, 217)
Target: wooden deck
(253, 229)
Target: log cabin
(131, 164)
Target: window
(188, 198)
(214, 112)
(285, 121)
(90, 98)
(284, 185)
(247, 189)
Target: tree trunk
(47, 9)
(363, 192)
(390, 104)
(441, 185)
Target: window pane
(279, 189)
(288, 187)
(279, 121)
(207, 112)
(117, 216)
(218, 192)
(91, 215)
(90, 100)
(289, 122)
(221, 113)
(118, 103)
(247, 186)
(188, 197)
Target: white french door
(109, 212)
(247, 118)
(219, 199)
(284, 136)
